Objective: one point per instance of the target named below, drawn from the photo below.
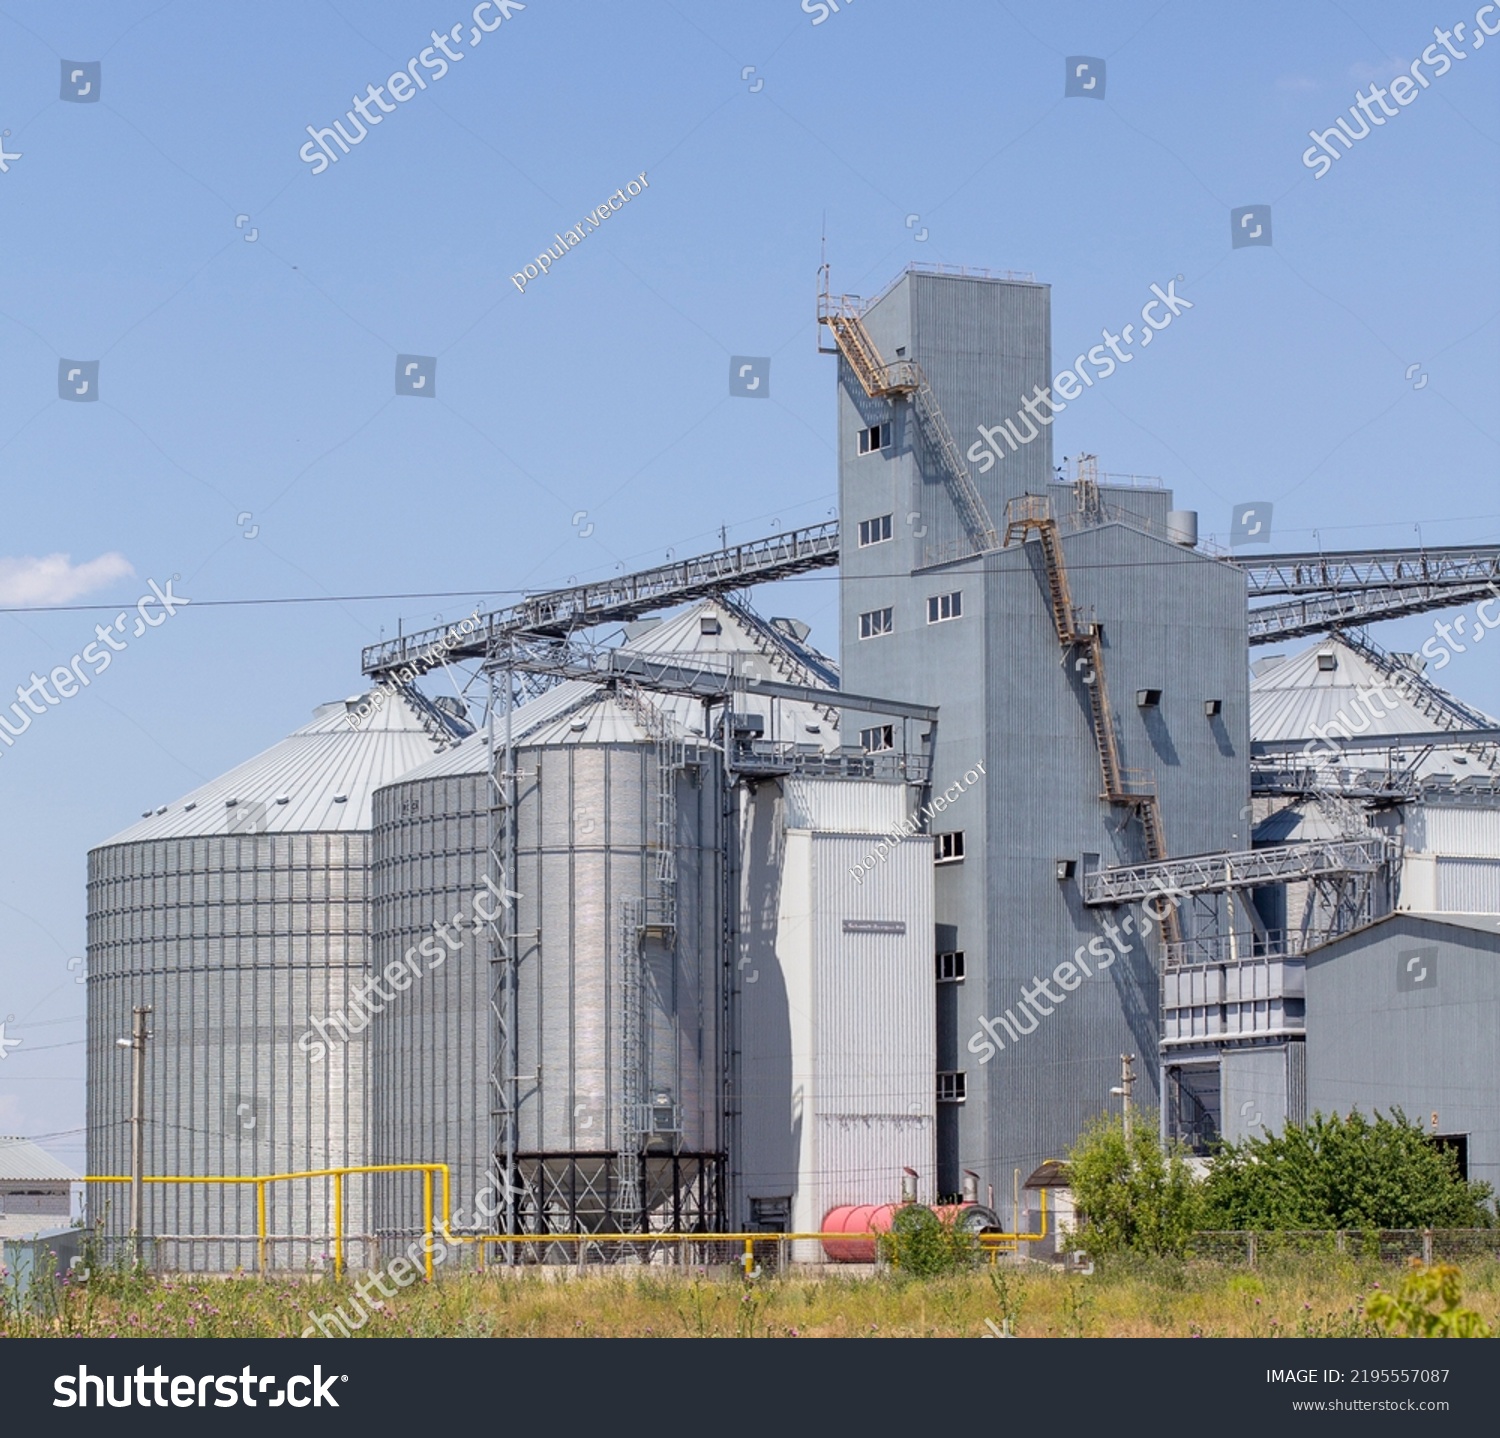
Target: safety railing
(264, 1239)
(686, 1249)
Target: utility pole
(136, 1043)
(1127, 1079)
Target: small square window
(875, 437)
(952, 1087)
(874, 622)
(874, 531)
(945, 606)
(878, 739)
(950, 967)
(948, 848)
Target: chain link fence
(1386, 1245)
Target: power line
(823, 578)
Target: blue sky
(246, 315)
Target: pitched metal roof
(1301, 697)
(1479, 923)
(1301, 822)
(22, 1161)
(320, 778)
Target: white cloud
(1362, 71)
(55, 579)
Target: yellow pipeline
(990, 1241)
(987, 1240)
(260, 1181)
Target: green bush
(1138, 1199)
(1348, 1173)
(920, 1244)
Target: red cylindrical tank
(865, 1220)
(862, 1222)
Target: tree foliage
(1406, 1314)
(1350, 1173)
(1135, 1200)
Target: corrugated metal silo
(591, 948)
(619, 973)
(430, 1053)
(238, 914)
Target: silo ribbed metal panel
(207, 931)
(240, 929)
(585, 824)
(586, 831)
(430, 1049)
(587, 811)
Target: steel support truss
(1338, 590)
(1232, 872)
(625, 596)
(1371, 570)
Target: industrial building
(688, 928)
(36, 1191)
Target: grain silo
(430, 1053)
(238, 914)
(619, 922)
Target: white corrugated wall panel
(1472, 833)
(837, 806)
(875, 1023)
(1468, 886)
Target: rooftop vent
(1327, 660)
(1148, 698)
(709, 624)
(1182, 527)
(794, 628)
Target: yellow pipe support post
(427, 1214)
(338, 1224)
(260, 1223)
(749, 1261)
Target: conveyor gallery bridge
(1331, 591)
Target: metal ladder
(1132, 789)
(777, 657)
(1443, 709)
(906, 378)
(653, 912)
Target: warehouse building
(1406, 1014)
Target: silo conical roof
(742, 638)
(320, 778)
(1333, 689)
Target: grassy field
(1321, 1297)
